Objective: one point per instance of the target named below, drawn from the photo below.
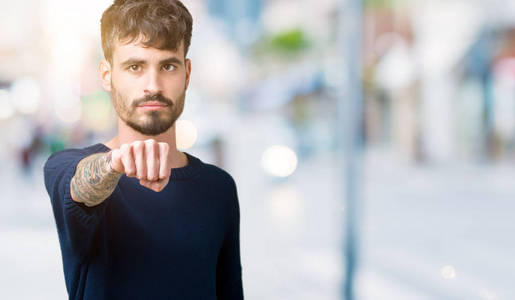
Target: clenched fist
(148, 161)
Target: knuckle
(137, 145)
(164, 146)
(150, 144)
(116, 155)
(151, 176)
(124, 148)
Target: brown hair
(162, 23)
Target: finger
(148, 184)
(156, 186)
(151, 153)
(144, 183)
(128, 160)
(164, 170)
(116, 161)
(138, 147)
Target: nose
(153, 83)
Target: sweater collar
(189, 171)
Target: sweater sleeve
(228, 270)
(76, 222)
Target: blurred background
(416, 203)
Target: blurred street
(423, 91)
(428, 232)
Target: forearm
(94, 180)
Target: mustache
(155, 97)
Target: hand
(148, 161)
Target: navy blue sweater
(180, 243)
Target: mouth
(152, 105)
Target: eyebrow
(171, 60)
(137, 61)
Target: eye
(134, 68)
(168, 67)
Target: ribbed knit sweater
(181, 243)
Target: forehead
(124, 50)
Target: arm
(94, 179)
(228, 270)
(80, 184)
(76, 223)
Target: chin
(153, 129)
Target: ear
(104, 72)
(188, 72)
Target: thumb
(115, 158)
(156, 186)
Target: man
(136, 218)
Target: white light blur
(69, 114)
(227, 67)
(439, 49)
(485, 294)
(26, 95)
(283, 15)
(285, 205)
(396, 69)
(68, 107)
(448, 272)
(279, 160)
(68, 32)
(67, 47)
(186, 134)
(6, 108)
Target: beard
(153, 122)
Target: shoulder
(219, 177)
(218, 174)
(222, 184)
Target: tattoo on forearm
(94, 180)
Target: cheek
(121, 101)
(177, 86)
(125, 90)
(122, 84)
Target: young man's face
(148, 86)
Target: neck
(127, 135)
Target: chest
(180, 223)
